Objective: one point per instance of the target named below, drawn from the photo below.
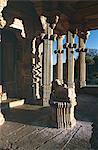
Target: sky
(92, 43)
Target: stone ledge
(10, 103)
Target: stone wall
(16, 65)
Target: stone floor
(28, 127)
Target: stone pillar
(3, 3)
(33, 69)
(40, 57)
(47, 66)
(70, 76)
(59, 67)
(37, 69)
(82, 63)
(70, 59)
(48, 27)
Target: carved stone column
(47, 66)
(40, 57)
(33, 69)
(59, 67)
(48, 26)
(82, 62)
(63, 98)
(70, 59)
(37, 69)
(3, 3)
(70, 76)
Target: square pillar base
(62, 115)
(45, 102)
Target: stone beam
(33, 69)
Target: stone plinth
(62, 106)
(60, 114)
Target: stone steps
(11, 103)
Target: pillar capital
(60, 37)
(49, 23)
(83, 35)
(52, 20)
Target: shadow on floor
(29, 115)
(87, 110)
(94, 138)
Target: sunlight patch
(18, 24)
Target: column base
(60, 82)
(45, 102)
(2, 119)
(46, 95)
(61, 115)
(71, 84)
(82, 84)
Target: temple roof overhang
(76, 14)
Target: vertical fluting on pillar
(3, 3)
(59, 66)
(70, 77)
(82, 63)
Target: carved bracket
(81, 50)
(70, 45)
(59, 51)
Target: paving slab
(28, 127)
